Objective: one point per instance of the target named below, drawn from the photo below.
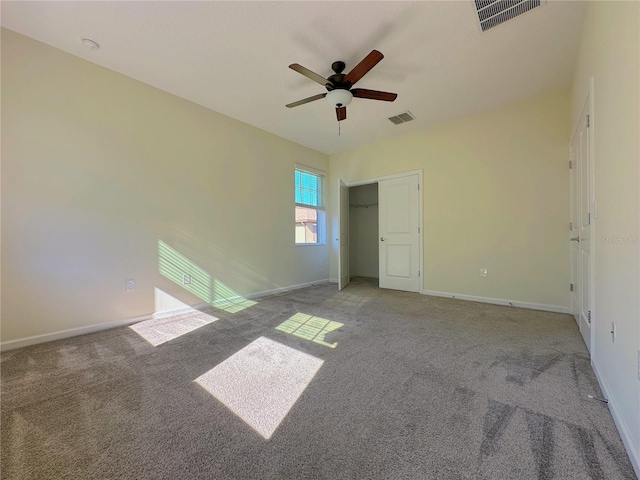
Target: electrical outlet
(613, 332)
(130, 285)
(483, 272)
(186, 278)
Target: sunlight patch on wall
(173, 265)
(310, 328)
(167, 303)
(228, 300)
(261, 382)
(176, 267)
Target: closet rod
(363, 206)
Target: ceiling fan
(339, 85)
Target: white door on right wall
(398, 215)
(580, 226)
(574, 189)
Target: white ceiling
(233, 57)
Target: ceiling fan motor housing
(337, 79)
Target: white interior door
(343, 237)
(583, 161)
(580, 227)
(399, 231)
(574, 201)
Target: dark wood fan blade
(374, 94)
(306, 100)
(341, 113)
(363, 67)
(309, 74)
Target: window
(310, 215)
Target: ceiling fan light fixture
(339, 97)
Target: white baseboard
(266, 293)
(623, 428)
(72, 332)
(333, 280)
(179, 311)
(500, 301)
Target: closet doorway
(363, 232)
(380, 231)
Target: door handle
(575, 239)
(382, 239)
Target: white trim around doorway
(369, 181)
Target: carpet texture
(407, 387)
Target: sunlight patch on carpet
(310, 328)
(261, 382)
(161, 330)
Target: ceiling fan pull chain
(338, 128)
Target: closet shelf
(353, 205)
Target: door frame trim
(340, 285)
(358, 183)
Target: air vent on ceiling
(495, 12)
(402, 118)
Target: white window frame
(321, 234)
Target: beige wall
(610, 53)
(495, 196)
(97, 168)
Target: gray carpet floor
(409, 387)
